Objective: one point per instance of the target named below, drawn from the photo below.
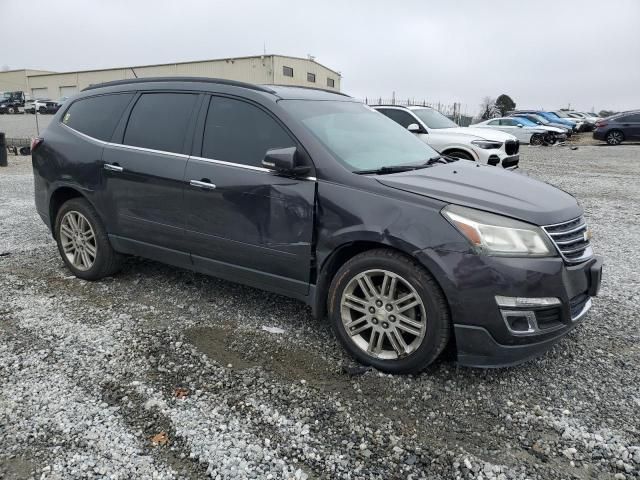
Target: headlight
(497, 235)
(487, 144)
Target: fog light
(524, 302)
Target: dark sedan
(618, 128)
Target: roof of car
(281, 91)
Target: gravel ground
(162, 373)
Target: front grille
(511, 147)
(549, 317)
(571, 239)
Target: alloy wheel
(614, 138)
(78, 240)
(383, 315)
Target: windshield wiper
(405, 168)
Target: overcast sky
(543, 53)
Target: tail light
(35, 143)
(600, 123)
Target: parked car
(485, 146)
(524, 130)
(41, 106)
(538, 120)
(550, 117)
(618, 128)
(313, 195)
(582, 124)
(553, 134)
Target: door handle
(204, 184)
(113, 168)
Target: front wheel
(536, 139)
(389, 312)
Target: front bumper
(482, 334)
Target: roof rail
(312, 88)
(219, 81)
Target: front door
(244, 222)
(143, 172)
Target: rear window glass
(159, 121)
(97, 116)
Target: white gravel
(89, 371)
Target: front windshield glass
(433, 118)
(358, 136)
(525, 121)
(6, 95)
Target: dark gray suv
(316, 196)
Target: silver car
(535, 135)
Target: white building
(261, 69)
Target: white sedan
(524, 133)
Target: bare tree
(488, 108)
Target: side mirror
(520, 125)
(284, 161)
(414, 128)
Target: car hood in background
(479, 133)
(489, 188)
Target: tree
(606, 113)
(505, 104)
(487, 108)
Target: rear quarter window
(97, 116)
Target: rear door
(244, 222)
(143, 172)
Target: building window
(287, 71)
(331, 82)
(311, 77)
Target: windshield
(525, 121)
(541, 119)
(433, 118)
(6, 95)
(358, 136)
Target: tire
(614, 137)
(11, 110)
(461, 154)
(536, 139)
(42, 110)
(412, 336)
(106, 261)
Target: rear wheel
(42, 110)
(614, 137)
(388, 312)
(83, 243)
(11, 110)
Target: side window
(508, 122)
(97, 116)
(238, 132)
(629, 118)
(159, 121)
(494, 122)
(399, 116)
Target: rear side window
(629, 118)
(97, 116)
(238, 132)
(159, 121)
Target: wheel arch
(59, 197)
(342, 254)
(460, 148)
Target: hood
(549, 128)
(489, 188)
(478, 133)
